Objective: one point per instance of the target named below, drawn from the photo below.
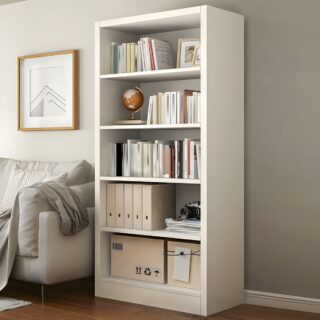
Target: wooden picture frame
(48, 91)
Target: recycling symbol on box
(147, 271)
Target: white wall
(282, 118)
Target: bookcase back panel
(152, 135)
(111, 108)
(185, 194)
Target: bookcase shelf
(156, 75)
(157, 234)
(220, 188)
(152, 126)
(151, 180)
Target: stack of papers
(183, 225)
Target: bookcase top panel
(156, 22)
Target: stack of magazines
(146, 55)
(158, 159)
(174, 107)
(183, 225)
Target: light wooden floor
(75, 301)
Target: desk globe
(132, 100)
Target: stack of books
(146, 55)
(174, 107)
(191, 226)
(158, 159)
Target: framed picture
(186, 51)
(48, 91)
(197, 56)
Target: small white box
(194, 276)
(138, 258)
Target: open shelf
(152, 126)
(153, 286)
(156, 233)
(156, 75)
(151, 180)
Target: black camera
(192, 210)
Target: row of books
(146, 55)
(158, 159)
(191, 226)
(174, 107)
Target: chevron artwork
(48, 91)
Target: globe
(132, 99)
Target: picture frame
(197, 56)
(185, 52)
(48, 91)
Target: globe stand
(131, 121)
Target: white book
(150, 110)
(163, 54)
(112, 153)
(146, 54)
(161, 109)
(167, 108)
(155, 109)
(189, 108)
(147, 164)
(180, 113)
(131, 143)
(155, 170)
(139, 57)
(125, 161)
(186, 158)
(173, 109)
(139, 159)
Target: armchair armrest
(64, 258)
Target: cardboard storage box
(192, 266)
(138, 258)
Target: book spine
(116, 58)
(112, 57)
(154, 54)
(125, 163)
(150, 110)
(192, 160)
(112, 155)
(153, 67)
(155, 109)
(132, 57)
(128, 57)
(119, 160)
(155, 161)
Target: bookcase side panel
(222, 181)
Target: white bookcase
(221, 185)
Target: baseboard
(282, 301)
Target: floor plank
(75, 301)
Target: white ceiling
(9, 1)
